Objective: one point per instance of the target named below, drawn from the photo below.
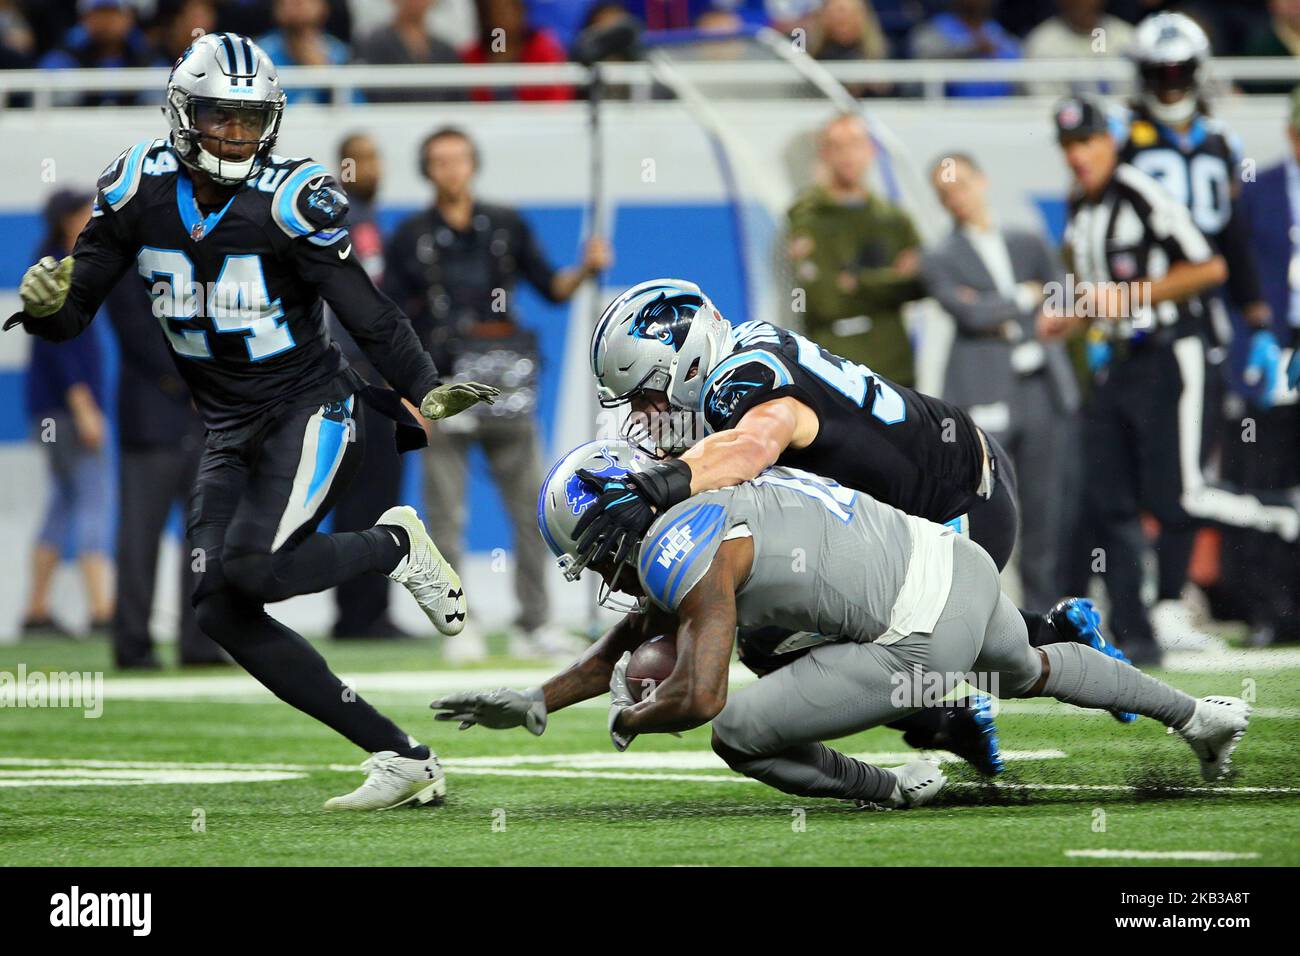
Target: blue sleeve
(679, 549)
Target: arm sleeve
(312, 210)
(378, 326)
(102, 253)
(744, 382)
(533, 262)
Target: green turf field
(205, 769)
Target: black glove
(628, 505)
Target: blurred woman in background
(65, 401)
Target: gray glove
(498, 709)
(620, 698)
(454, 397)
(44, 287)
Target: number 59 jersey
(237, 290)
(909, 450)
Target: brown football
(650, 666)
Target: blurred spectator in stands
(601, 17)
(1259, 573)
(1017, 387)
(106, 37)
(718, 19)
(686, 14)
(506, 37)
(17, 48)
(855, 257)
(256, 17)
(1081, 28)
(1278, 35)
(160, 441)
(65, 401)
(966, 32)
(406, 39)
(300, 40)
(362, 603)
(849, 30)
(17, 42)
(453, 268)
(179, 23)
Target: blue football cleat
(1077, 619)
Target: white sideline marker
(1204, 856)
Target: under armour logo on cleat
(458, 616)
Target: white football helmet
(1170, 50)
(662, 335)
(565, 496)
(221, 73)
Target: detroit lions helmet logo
(667, 318)
(579, 494)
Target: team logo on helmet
(667, 318)
(579, 494)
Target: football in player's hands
(651, 664)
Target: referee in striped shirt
(1135, 261)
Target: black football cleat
(967, 730)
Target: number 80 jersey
(916, 453)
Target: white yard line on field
(1207, 856)
(580, 766)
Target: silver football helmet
(565, 496)
(662, 335)
(1170, 50)
(223, 76)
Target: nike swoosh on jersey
(343, 253)
(316, 183)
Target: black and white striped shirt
(1135, 230)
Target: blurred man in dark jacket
(160, 440)
(363, 601)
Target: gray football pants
(772, 730)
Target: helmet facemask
(199, 119)
(1160, 79)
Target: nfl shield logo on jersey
(676, 544)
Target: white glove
(620, 698)
(44, 287)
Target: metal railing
(47, 88)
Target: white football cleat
(1174, 626)
(469, 647)
(393, 781)
(548, 642)
(1213, 732)
(916, 784)
(424, 572)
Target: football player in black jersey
(238, 247)
(764, 395)
(1171, 137)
